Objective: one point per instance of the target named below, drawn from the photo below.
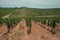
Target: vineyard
(51, 17)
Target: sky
(30, 3)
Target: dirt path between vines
(6, 16)
(19, 32)
(39, 33)
(3, 32)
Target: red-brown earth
(39, 31)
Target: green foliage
(5, 11)
(39, 15)
(51, 20)
(11, 21)
(28, 21)
(1, 21)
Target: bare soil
(6, 16)
(38, 31)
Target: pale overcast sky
(31, 3)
